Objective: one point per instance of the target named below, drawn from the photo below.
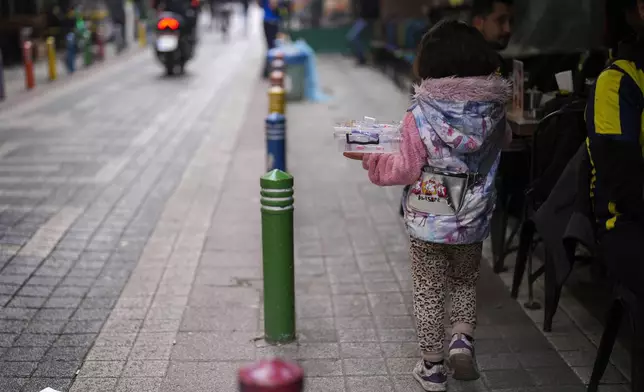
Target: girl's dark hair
(453, 48)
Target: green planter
(328, 39)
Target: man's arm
(615, 148)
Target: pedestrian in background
(368, 12)
(271, 26)
(452, 134)
(245, 7)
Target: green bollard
(278, 256)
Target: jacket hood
(480, 89)
(465, 113)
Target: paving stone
(200, 376)
(46, 326)
(37, 384)
(406, 384)
(94, 385)
(31, 290)
(33, 354)
(216, 346)
(147, 368)
(17, 369)
(557, 376)
(369, 384)
(75, 340)
(63, 302)
(67, 353)
(360, 350)
(364, 366)
(97, 314)
(322, 367)
(505, 379)
(7, 339)
(101, 369)
(224, 319)
(54, 314)
(98, 302)
(27, 302)
(324, 384)
(70, 291)
(356, 335)
(153, 349)
(12, 326)
(501, 361)
(401, 365)
(17, 313)
(57, 369)
(84, 326)
(109, 353)
(397, 335)
(139, 384)
(12, 383)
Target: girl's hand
(356, 156)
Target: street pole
(3, 94)
(51, 56)
(143, 34)
(273, 375)
(100, 42)
(276, 97)
(27, 55)
(278, 256)
(275, 142)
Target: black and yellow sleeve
(615, 125)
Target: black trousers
(623, 252)
(270, 33)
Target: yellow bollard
(51, 55)
(143, 35)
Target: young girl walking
(452, 137)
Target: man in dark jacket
(493, 18)
(368, 12)
(615, 142)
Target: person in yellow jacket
(614, 117)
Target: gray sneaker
(433, 379)
(461, 360)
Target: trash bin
(295, 78)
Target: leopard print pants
(437, 269)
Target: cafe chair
(580, 233)
(555, 142)
(624, 300)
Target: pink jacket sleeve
(403, 168)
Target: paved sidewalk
(87, 172)
(130, 248)
(15, 75)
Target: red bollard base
(272, 375)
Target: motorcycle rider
(188, 9)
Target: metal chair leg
(606, 344)
(637, 359)
(499, 228)
(553, 292)
(531, 304)
(525, 248)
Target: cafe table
(511, 181)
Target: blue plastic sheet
(295, 53)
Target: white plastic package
(367, 135)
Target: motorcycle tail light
(195, 3)
(168, 23)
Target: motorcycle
(175, 42)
